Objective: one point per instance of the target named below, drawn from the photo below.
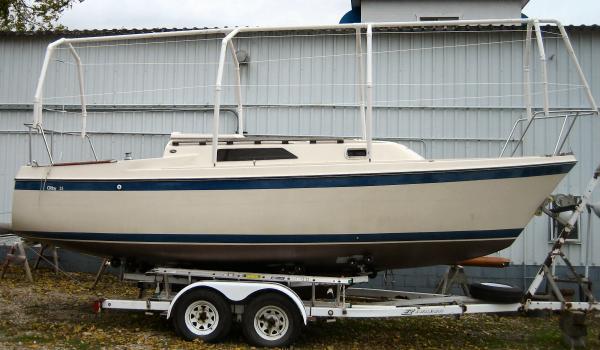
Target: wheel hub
(271, 322)
(201, 317)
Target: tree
(26, 15)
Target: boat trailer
(204, 303)
(251, 292)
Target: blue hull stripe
(171, 238)
(322, 181)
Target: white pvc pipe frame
(365, 113)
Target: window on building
(430, 19)
(245, 154)
(556, 227)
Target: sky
(97, 14)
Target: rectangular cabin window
(356, 152)
(245, 154)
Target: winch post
(544, 271)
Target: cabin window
(356, 152)
(245, 154)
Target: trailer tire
(495, 292)
(202, 314)
(174, 327)
(271, 320)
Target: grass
(55, 313)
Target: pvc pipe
(49, 50)
(146, 35)
(360, 72)
(571, 52)
(238, 89)
(39, 91)
(515, 21)
(356, 26)
(527, 72)
(217, 102)
(81, 90)
(369, 114)
(540, 43)
(231, 33)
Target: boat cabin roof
(235, 149)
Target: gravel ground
(56, 313)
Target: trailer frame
(239, 289)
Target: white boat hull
(399, 215)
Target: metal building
(447, 92)
(419, 10)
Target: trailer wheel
(495, 292)
(202, 314)
(271, 320)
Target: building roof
(96, 32)
(105, 32)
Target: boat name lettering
(54, 188)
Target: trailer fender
(238, 291)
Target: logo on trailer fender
(418, 311)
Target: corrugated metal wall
(445, 94)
